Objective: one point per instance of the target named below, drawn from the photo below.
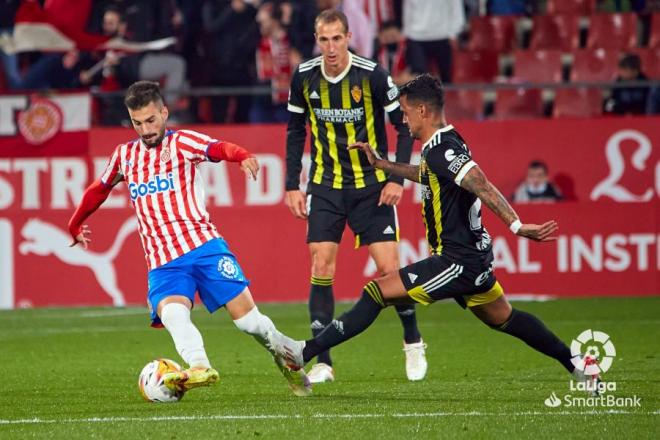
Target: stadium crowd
(239, 54)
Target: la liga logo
(592, 345)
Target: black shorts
(440, 276)
(330, 209)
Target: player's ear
(164, 112)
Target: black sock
(534, 333)
(351, 323)
(321, 310)
(408, 319)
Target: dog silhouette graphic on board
(43, 239)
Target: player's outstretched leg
(351, 323)
(174, 313)
(500, 316)
(250, 320)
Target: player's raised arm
(477, 183)
(404, 170)
(229, 152)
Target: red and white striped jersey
(167, 193)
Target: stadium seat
(578, 103)
(475, 66)
(518, 104)
(594, 65)
(654, 34)
(492, 33)
(650, 58)
(464, 104)
(574, 7)
(555, 32)
(612, 31)
(537, 66)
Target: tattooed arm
(410, 172)
(476, 182)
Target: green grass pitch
(72, 373)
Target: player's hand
(542, 232)
(372, 155)
(390, 194)
(295, 200)
(251, 167)
(82, 237)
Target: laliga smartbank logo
(593, 353)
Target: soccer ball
(151, 383)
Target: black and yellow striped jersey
(342, 110)
(452, 215)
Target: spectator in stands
(273, 65)
(537, 187)
(430, 28)
(9, 62)
(629, 100)
(391, 53)
(234, 36)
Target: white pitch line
(38, 421)
(115, 312)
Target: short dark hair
(538, 164)
(141, 94)
(330, 16)
(426, 89)
(631, 61)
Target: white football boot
(416, 364)
(320, 373)
(284, 347)
(288, 357)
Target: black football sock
(408, 319)
(351, 323)
(534, 333)
(321, 309)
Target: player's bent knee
(178, 299)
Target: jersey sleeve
(113, 168)
(385, 91)
(450, 161)
(194, 146)
(296, 102)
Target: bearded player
(184, 251)
(461, 262)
